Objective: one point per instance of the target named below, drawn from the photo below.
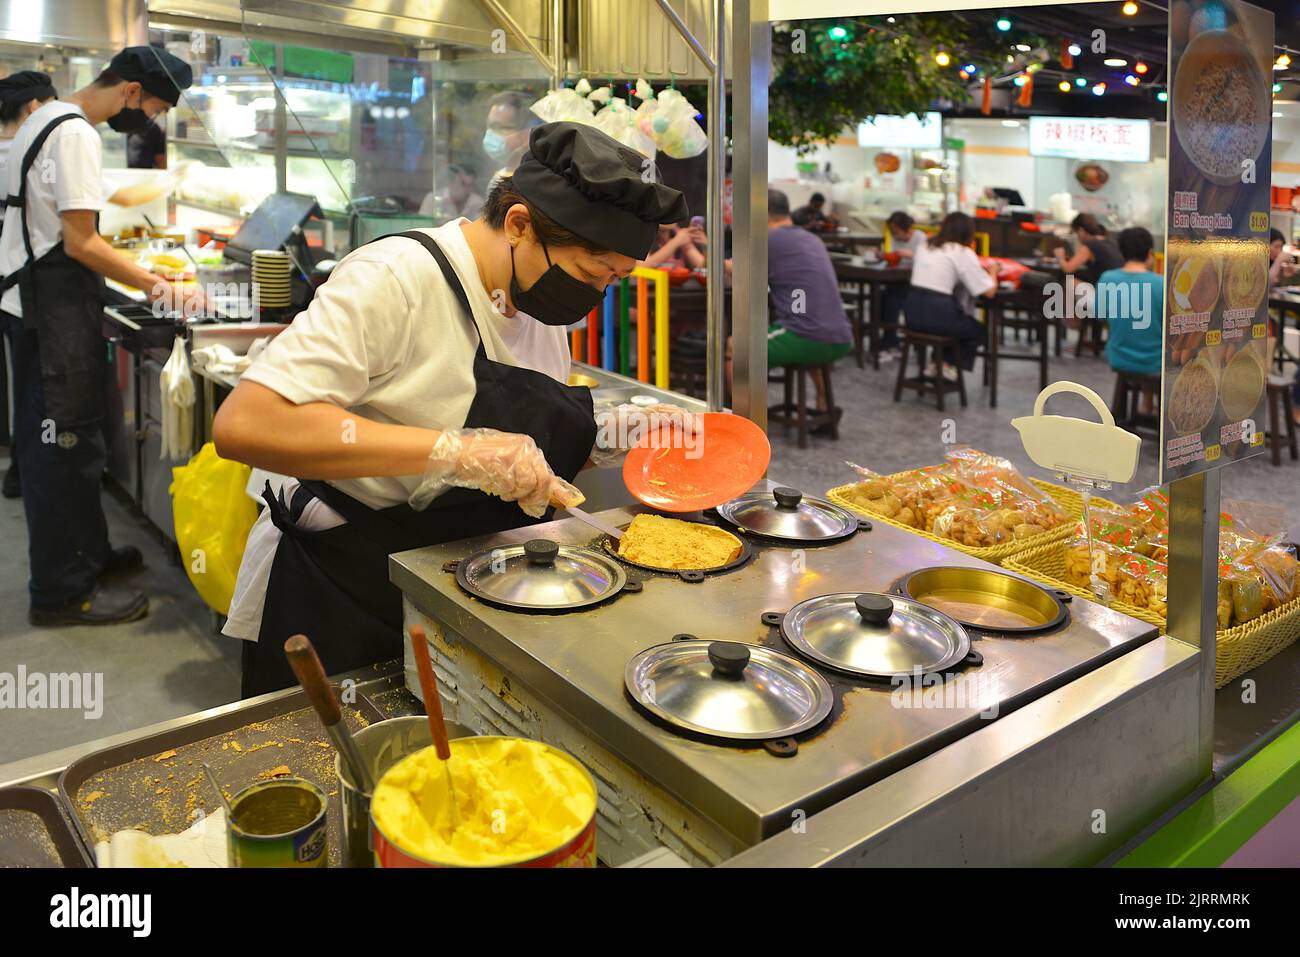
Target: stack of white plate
(271, 269)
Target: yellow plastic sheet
(213, 515)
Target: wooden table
(1286, 303)
(870, 280)
(849, 240)
(1029, 301)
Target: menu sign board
(1095, 138)
(1216, 264)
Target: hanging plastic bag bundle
(177, 386)
(673, 125)
(565, 105)
(619, 121)
(213, 515)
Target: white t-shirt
(952, 269)
(65, 176)
(386, 339)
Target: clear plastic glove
(505, 464)
(619, 428)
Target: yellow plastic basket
(1069, 500)
(1238, 649)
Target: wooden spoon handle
(429, 686)
(311, 675)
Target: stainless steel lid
(728, 689)
(787, 514)
(876, 636)
(541, 575)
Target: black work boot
(121, 561)
(103, 605)
(12, 487)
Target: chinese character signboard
(1125, 141)
(1216, 265)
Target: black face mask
(556, 299)
(130, 119)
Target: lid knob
(787, 497)
(728, 657)
(874, 609)
(541, 551)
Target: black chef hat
(159, 72)
(26, 85)
(597, 188)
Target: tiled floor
(169, 664)
(885, 436)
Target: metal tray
(35, 831)
(138, 787)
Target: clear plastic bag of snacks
(912, 498)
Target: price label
(1259, 222)
(1213, 337)
(1212, 453)
(1259, 330)
(1257, 438)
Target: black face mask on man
(556, 299)
(130, 119)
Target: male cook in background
(54, 263)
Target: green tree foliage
(823, 84)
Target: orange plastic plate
(724, 460)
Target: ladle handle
(429, 687)
(311, 675)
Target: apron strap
(448, 273)
(20, 200)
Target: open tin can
(278, 823)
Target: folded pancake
(671, 543)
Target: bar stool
(1124, 406)
(945, 348)
(790, 413)
(1279, 399)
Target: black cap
(159, 72)
(26, 85)
(595, 187)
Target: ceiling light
(1013, 124)
(1019, 80)
(1099, 89)
(1064, 86)
(837, 33)
(1023, 47)
(969, 68)
(1130, 79)
(1081, 81)
(942, 58)
(1163, 96)
(1075, 49)
(1129, 9)
(1140, 67)
(1004, 24)
(1115, 61)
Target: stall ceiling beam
(344, 44)
(503, 17)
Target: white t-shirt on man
(66, 176)
(386, 338)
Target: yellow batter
(671, 543)
(517, 799)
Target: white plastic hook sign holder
(1091, 454)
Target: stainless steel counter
(574, 665)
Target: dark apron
(63, 303)
(332, 585)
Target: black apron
(332, 585)
(63, 303)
